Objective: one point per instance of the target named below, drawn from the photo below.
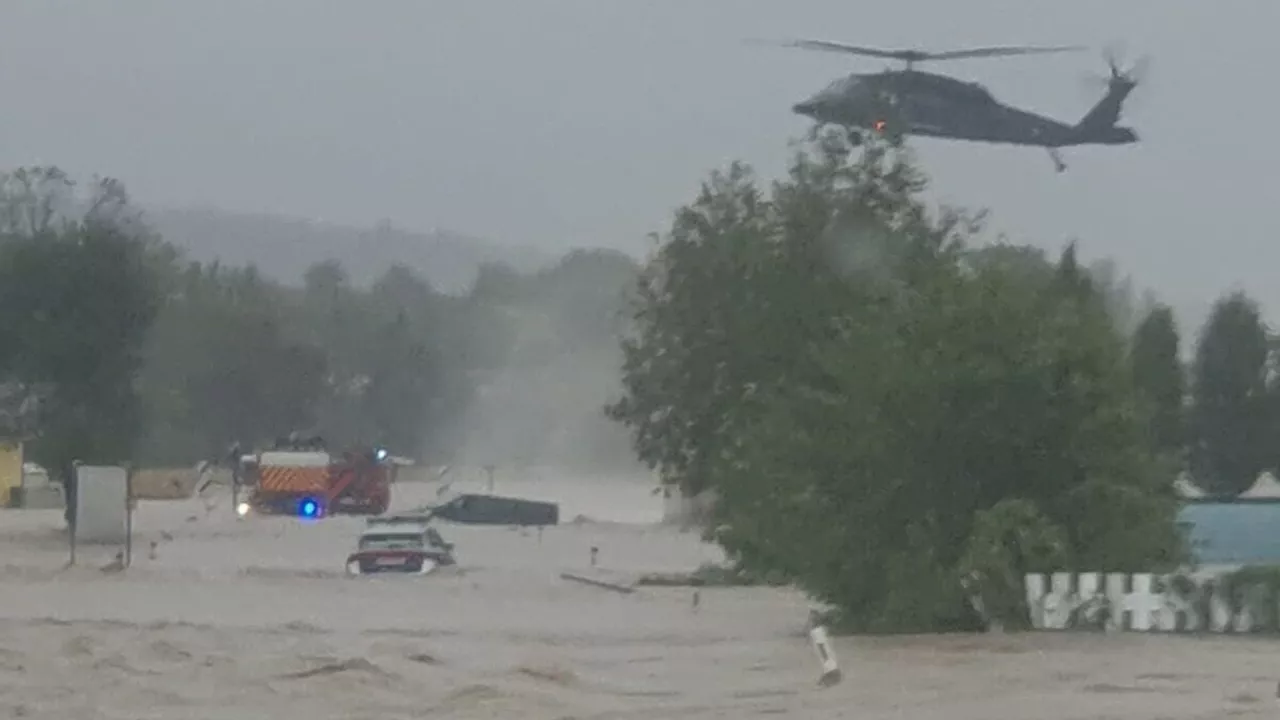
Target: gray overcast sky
(558, 122)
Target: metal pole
(22, 476)
(489, 469)
(236, 454)
(72, 500)
(128, 516)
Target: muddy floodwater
(255, 618)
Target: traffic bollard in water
(826, 655)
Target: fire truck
(304, 479)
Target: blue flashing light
(380, 453)
(309, 508)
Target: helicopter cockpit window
(980, 92)
(841, 88)
(970, 91)
(951, 89)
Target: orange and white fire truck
(305, 480)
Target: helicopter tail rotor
(1117, 85)
(1118, 76)
(1135, 75)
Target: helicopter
(898, 102)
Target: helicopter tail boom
(1099, 125)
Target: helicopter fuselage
(911, 102)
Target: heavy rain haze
(576, 123)
(555, 251)
(545, 404)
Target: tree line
(903, 421)
(1218, 415)
(1228, 418)
(114, 348)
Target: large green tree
(860, 391)
(1230, 419)
(235, 357)
(690, 362)
(221, 367)
(1160, 381)
(79, 290)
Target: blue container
(1238, 532)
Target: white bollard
(826, 655)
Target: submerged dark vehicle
(481, 509)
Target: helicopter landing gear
(1056, 157)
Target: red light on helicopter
(878, 125)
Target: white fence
(1141, 602)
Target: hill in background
(283, 248)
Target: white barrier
(102, 505)
(1142, 602)
(826, 656)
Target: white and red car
(400, 543)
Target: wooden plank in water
(599, 582)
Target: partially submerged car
(481, 509)
(400, 543)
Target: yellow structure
(10, 469)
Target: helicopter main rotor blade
(1002, 52)
(911, 56)
(828, 46)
